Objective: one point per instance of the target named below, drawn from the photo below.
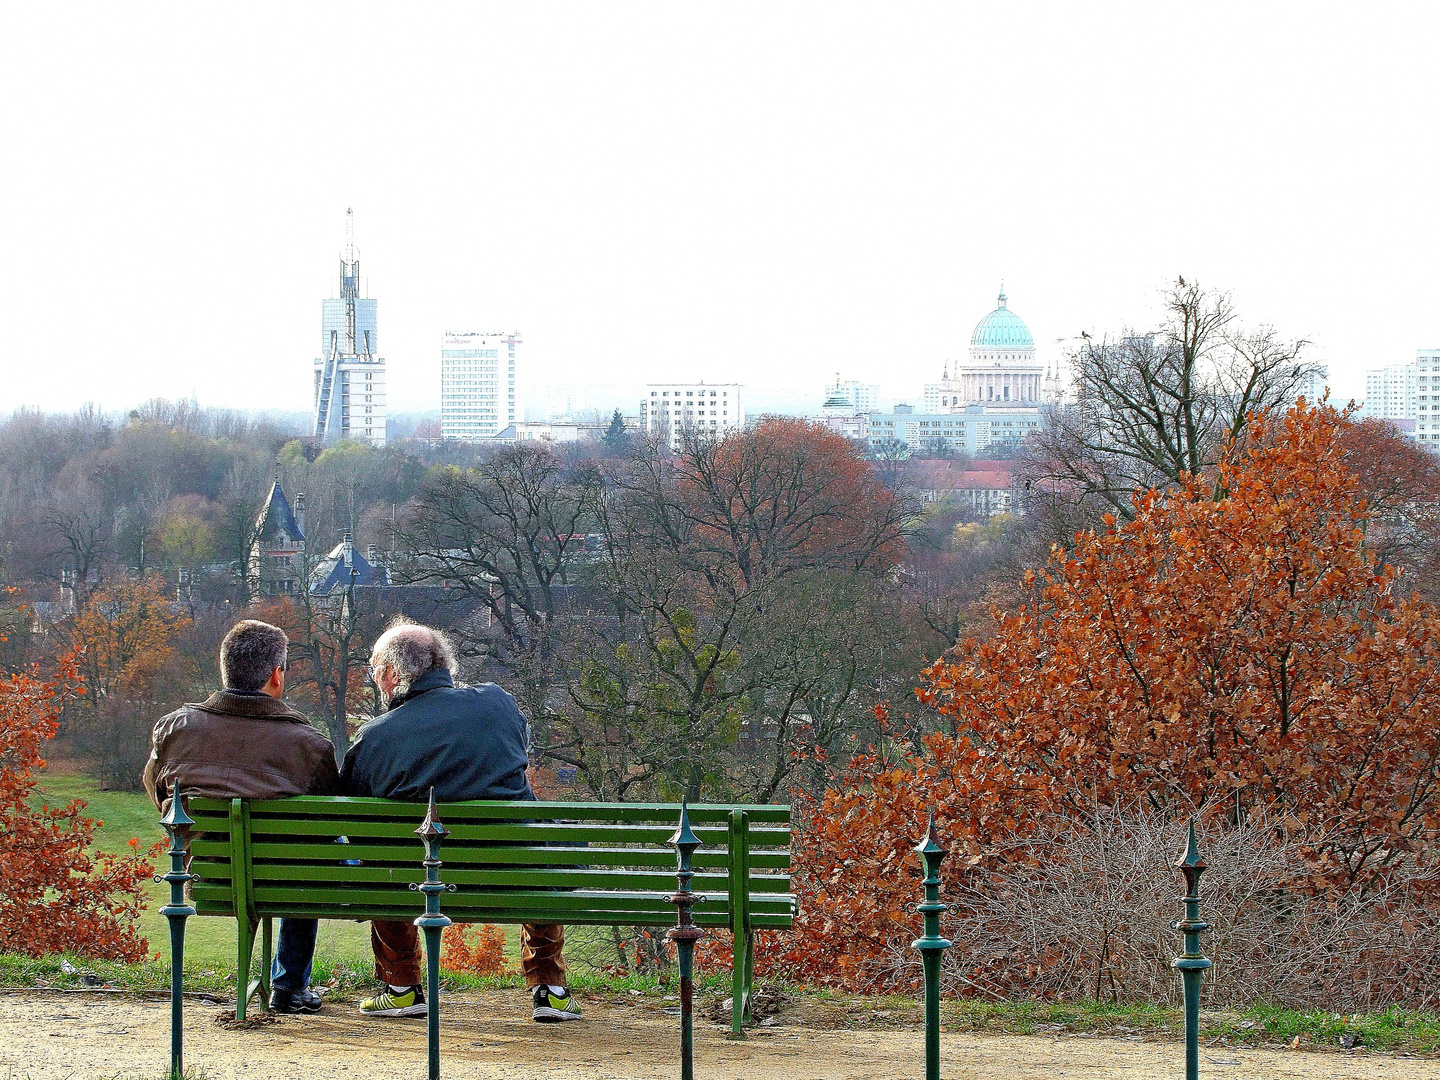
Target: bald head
(407, 651)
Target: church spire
(1002, 293)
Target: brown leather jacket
(235, 745)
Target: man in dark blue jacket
(467, 742)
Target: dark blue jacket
(469, 743)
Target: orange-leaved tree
(1236, 647)
(56, 893)
(123, 639)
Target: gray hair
(409, 650)
(250, 652)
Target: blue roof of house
(333, 571)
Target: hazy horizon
(769, 195)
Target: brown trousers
(398, 956)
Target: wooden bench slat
(509, 831)
(365, 913)
(531, 877)
(350, 807)
(512, 899)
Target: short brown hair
(250, 652)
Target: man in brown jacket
(244, 742)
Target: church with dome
(993, 398)
(1000, 369)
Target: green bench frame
(603, 864)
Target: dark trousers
(398, 956)
(294, 953)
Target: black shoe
(287, 1001)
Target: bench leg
(738, 999)
(267, 950)
(243, 987)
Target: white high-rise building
(1427, 398)
(1390, 392)
(863, 397)
(477, 384)
(349, 377)
(669, 409)
(1314, 381)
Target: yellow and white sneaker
(410, 1002)
(553, 1008)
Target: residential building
(841, 416)
(1427, 398)
(477, 384)
(1390, 392)
(1314, 382)
(984, 487)
(534, 431)
(862, 397)
(972, 428)
(670, 409)
(349, 375)
(275, 555)
(344, 567)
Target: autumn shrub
(56, 893)
(1237, 650)
(474, 950)
(1088, 914)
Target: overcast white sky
(767, 193)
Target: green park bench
(597, 864)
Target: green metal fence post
(685, 935)
(431, 832)
(178, 824)
(931, 945)
(1192, 966)
(739, 885)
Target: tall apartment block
(477, 384)
(1427, 398)
(1390, 392)
(863, 397)
(1313, 382)
(670, 409)
(349, 376)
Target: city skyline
(848, 205)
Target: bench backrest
(534, 862)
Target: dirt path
(491, 1035)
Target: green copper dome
(1001, 329)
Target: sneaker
(287, 1001)
(411, 1002)
(553, 1008)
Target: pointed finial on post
(1190, 863)
(431, 829)
(175, 819)
(684, 838)
(930, 843)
